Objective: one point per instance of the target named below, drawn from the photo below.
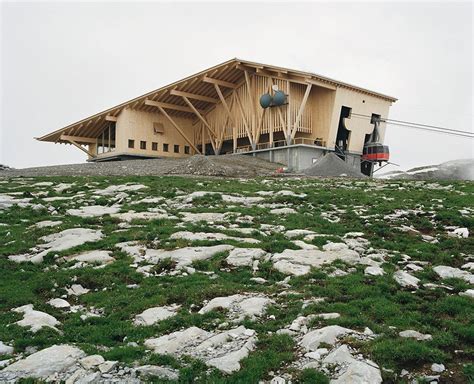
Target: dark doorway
(343, 134)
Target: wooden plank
(222, 83)
(79, 139)
(194, 96)
(200, 117)
(178, 128)
(170, 106)
(288, 114)
(110, 118)
(321, 84)
(301, 110)
(81, 148)
(244, 120)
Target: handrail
(319, 142)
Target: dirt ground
(225, 166)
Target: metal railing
(282, 143)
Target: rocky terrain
(262, 280)
(451, 170)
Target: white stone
(157, 371)
(467, 293)
(5, 349)
(278, 380)
(59, 303)
(49, 361)
(77, 290)
(153, 315)
(406, 280)
(414, 335)
(107, 366)
(469, 266)
(317, 354)
(47, 224)
(145, 215)
(92, 257)
(186, 256)
(292, 233)
(114, 189)
(328, 316)
(459, 232)
(240, 306)
(35, 320)
(244, 257)
(438, 368)
(203, 236)
(93, 211)
(91, 361)
(210, 217)
(449, 272)
(285, 192)
(282, 211)
(299, 262)
(374, 271)
(328, 335)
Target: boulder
(374, 271)
(59, 303)
(93, 211)
(327, 335)
(157, 371)
(35, 320)
(239, 306)
(153, 315)
(46, 362)
(92, 257)
(415, 335)
(244, 257)
(449, 272)
(406, 280)
(91, 361)
(5, 349)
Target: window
(142, 144)
(176, 148)
(186, 149)
(131, 143)
(154, 146)
(165, 147)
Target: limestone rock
(415, 335)
(93, 211)
(467, 293)
(157, 371)
(46, 362)
(449, 272)
(406, 280)
(77, 290)
(239, 306)
(35, 320)
(59, 303)
(328, 335)
(153, 315)
(5, 349)
(91, 361)
(244, 257)
(202, 236)
(374, 271)
(92, 257)
(437, 368)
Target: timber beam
(222, 83)
(79, 139)
(170, 106)
(194, 96)
(110, 118)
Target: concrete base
(300, 156)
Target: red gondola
(375, 152)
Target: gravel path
(226, 166)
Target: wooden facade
(217, 111)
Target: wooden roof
(200, 88)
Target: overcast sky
(61, 62)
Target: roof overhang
(195, 94)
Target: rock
(47, 224)
(239, 306)
(92, 257)
(157, 371)
(114, 189)
(202, 236)
(406, 280)
(35, 320)
(59, 303)
(291, 234)
(153, 315)
(91, 361)
(258, 280)
(282, 211)
(317, 354)
(328, 316)
(244, 257)
(46, 362)
(5, 349)
(467, 293)
(210, 217)
(299, 262)
(437, 368)
(415, 335)
(222, 350)
(459, 232)
(449, 272)
(93, 211)
(132, 215)
(374, 271)
(77, 290)
(107, 366)
(186, 256)
(277, 380)
(88, 378)
(328, 335)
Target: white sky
(61, 62)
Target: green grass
(375, 302)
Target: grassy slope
(374, 302)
